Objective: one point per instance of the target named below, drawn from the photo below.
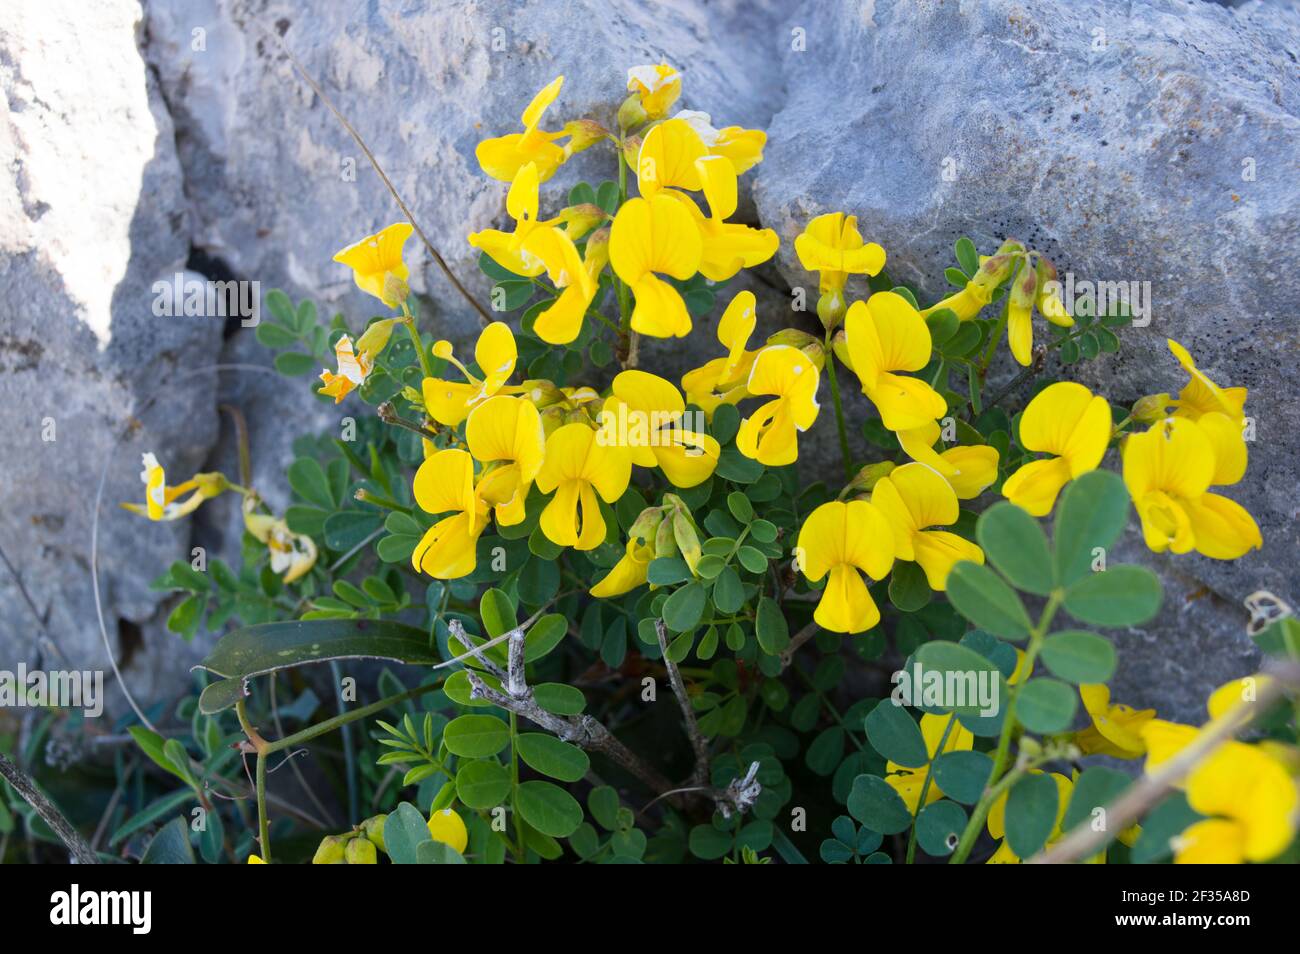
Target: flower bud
(1049, 301)
(645, 527)
(331, 850)
(597, 256)
(212, 484)
(360, 851)
(665, 544)
(1152, 408)
(373, 828)
(840, 345)
(580, 219)
(583, 134)
(374, 338)
(688, 538)
(995, 270)
(632, 150)
(396, 291)
(831, 308)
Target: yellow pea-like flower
(771, 434)
(742, 147)
(832, 246)
(508, 249)
(1168, 471)
(292, 555)
(562, 321)
(652, 236)
(506, 431)
(969, 470)
(846, 540)
(1116, 729)
(162, 502)
(1219, 411)
(722, 380)
(657, 86)
(886, 335)
(444, 484)
(914, 498)
(255, 860)
(503, 157)
(727, 247)
(632, 568)
(449, 402)
(377, 265)
(908, 782)
(577, 468)
(646, 414)
(355, 362)
(667, 157)
(449, 828)
(1069, 422)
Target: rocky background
(1155, 142)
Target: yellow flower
(722, 380)
(770, 434)
(507, 249)
(832, 246)
(666, 159)
(503, 157)
(161, 501)
(908, 782)
(969, 470)
(845, 540)
(1026, 289)
(978, 291)
(378, 258)
(657, 87)
(1168, 471)
(445, 484)
(646, 414)
(255, 860)
(448, 827)
(743, 147)
(885, 334)
(356, 362)
(649, 236)
(912, 498)
(727, 247)
(449, 402)
(1069, 422)
(562, 321)
(997, 820)
(1220, 414)
(507, 431)
(630, 571)
(292, 554)
(1116, 729)
(576, 469)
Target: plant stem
(425, 365)
(925, 787)
(846, 457)
(50, 813)
(263, 823)
(329, 725)
(514, 789)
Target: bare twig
(1084, 842)
(401, 204)
(799, 638)
(700, 775)
(388, 414)
(24, 786)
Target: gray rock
(1121, 140)
(91, 215)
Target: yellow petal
(510, 429)
(667, 158)
(626, 575)
(787, 372)
(521, 200)
(922, 493)
(718, 180)
(448, 402)
(1229, 446)
(448, 550)
(1223, 528)
(885, 333)
(1020, 334)
(1214, 841)
(496, 355)
(846, 605)
(1067, 420)
(905, 403)
(856, 533)
(972, 469)
(449, 828)
(445, 483)
(1174, 456)
(1034, 486)
(937, 551)
(654, 235)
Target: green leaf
(770, 627)
(709, 844)
(967, 255)
(268, 647)
(943, 657)
(155, 746)
(1079, 657)
(497, 612)
(1031, 813)
(740, 506)
(347, 528)
(476, 736)
(1120, 596)
(1013, 542)
(909, 590)
(405, 829)
(482, 784)
(986, 600)
(603, 805)
(666, 571)
(939, 828)
(307, 478)
(187, 615)
(437, 853)
(275, 336)
(552, 756)
(827, 749)
(171, 846)
(1095, 788)
(894, 734)
(875, 804)
(1164, 823)
(559, 698)
(728, 591)
(963, 775)
(752, 559)
(549, 809)
(682, 610)
(544, 636)
(294, 364)
(280, 307)
(1089, 519)
(1046, 706)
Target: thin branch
(24, 786)
(799, 638)
(700, 775)
(401, 204)
(1084, 842)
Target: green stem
(1001, 327)
(846, 456)
(514, 789)
(1036, 636)
(425, 365)
(338, 721)
(263, 823)
(925, 787)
